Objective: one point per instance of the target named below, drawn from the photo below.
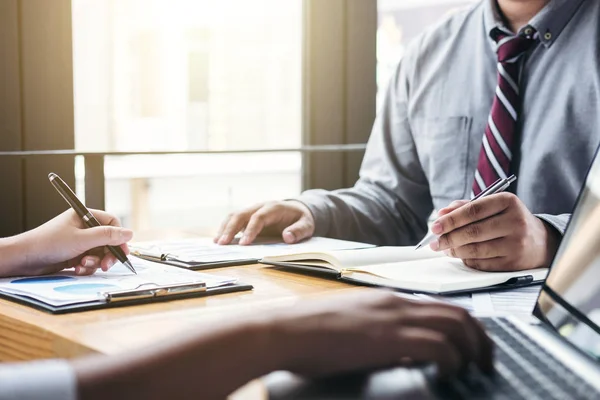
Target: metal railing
(94, 161)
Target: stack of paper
(518, 302)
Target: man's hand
(361, 331)
(290, 219)
(65, 242)
(378, 329)
(495, 233)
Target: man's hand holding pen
(495, 233)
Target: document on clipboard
(202, 253)
(67, 292)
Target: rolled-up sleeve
(49, 380)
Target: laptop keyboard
(524, 370)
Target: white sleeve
(49, 380)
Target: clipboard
(172, 259)
(139, 296)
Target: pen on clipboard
(499, 186)
(88, 218)
(159, 291)
(152, 255)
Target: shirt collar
(549, 22)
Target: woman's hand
(65, 242)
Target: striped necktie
(500, 134)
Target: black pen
(85, 214)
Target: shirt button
(528, 31)
(548, 36)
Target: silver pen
(499, 186)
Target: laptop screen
(570, 299)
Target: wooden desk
(27, 334)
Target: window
(181, 75)
(400, 21)
(283, 92)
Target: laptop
(554, 354)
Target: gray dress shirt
(48, 380)
(426, 140)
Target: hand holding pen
(91, 222)
(495, 232)
(65, 243)
(499, 186)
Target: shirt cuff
(316, 202)
(559, 222)
(49, 380)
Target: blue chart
(43, 279)
(85, 288)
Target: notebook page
(439, 274)
(382, 255)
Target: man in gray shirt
(506, 86)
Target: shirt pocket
(443, 147)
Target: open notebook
(404, 268)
